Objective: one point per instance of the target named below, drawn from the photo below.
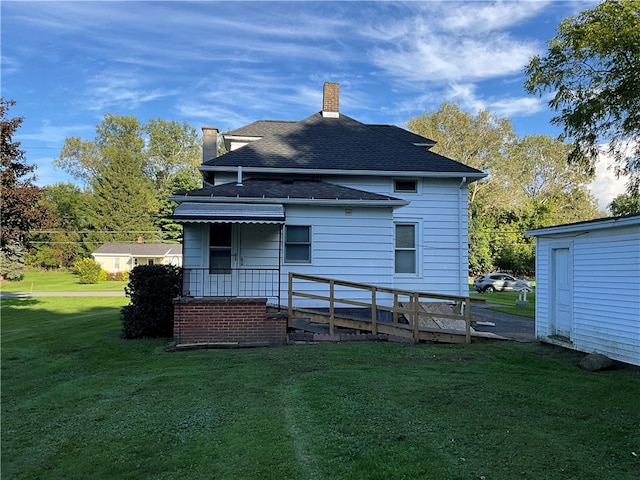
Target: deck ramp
(434, 327)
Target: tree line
(123, 180)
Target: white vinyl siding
(259, 246)
(357, 243)
(354, 245)
(605, 298)
(442, 238)
(195, 245)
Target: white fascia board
(471, 177)
(337, 202)
(242, 138)
(588, 226)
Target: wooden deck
(414, 316)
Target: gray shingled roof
(260, 128)
(140, 249)
(282, 189)
(336, 144)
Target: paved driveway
(506, 325)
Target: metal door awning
(191, 212)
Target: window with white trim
(297, 244)
(405, 248)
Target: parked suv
(499, 282)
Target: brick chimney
(331, 100)
(209, 143)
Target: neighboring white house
(327, 196)
(588, 286)
(123, 257)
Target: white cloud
(606, 186)
(9, 65)
(48, 134)
(487, 17)
(441, 59)
(454, 42)
(466, 96)
(125, 89)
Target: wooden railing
(461, 304)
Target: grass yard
(58, 281)
(78, 402)
(506, 302)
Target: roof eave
(581, 227)
(292, 201)
(470, 176)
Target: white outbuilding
(588, 286)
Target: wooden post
(395, 308)
(290, 306)
(416, 317)
(331, 306)
(467, 319)
(374, 311)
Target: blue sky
(226, 64)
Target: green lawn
(58, 281)
(78, 402)
(506, 302)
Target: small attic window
(405, 186)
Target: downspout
(462, 274)
(280, 267)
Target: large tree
(163, 155)
(124, 205)
(479, 140)
(174, 152)
(537, 172)
(625, 204)
(592, 68)
(173, 149)
(19, 202)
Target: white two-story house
(328, 196)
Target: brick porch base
(219, 320)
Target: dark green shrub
(151, 289)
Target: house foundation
(211, 321)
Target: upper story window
(405, 186)
(297, 244)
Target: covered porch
(232, 270)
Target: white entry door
(561, 292)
